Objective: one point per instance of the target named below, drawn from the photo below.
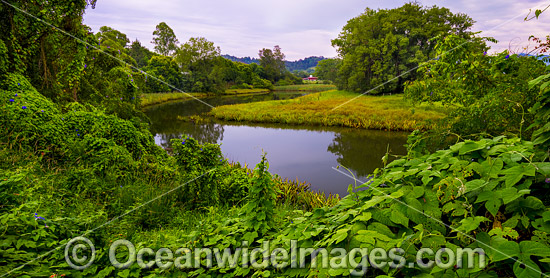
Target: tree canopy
(382, 46)
(164, 39)
(273, 63)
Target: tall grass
(245, 91)
(369, 112)
(306, 87)
(156, 98)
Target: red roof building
(311, 78)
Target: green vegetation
(245, 91)
(165, 40)
(77, 158)
(387, 113)
(328, 69)
(152, 99)
(156, 98)
(382, 45)
(490, 92)
(306, 87)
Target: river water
(295, 152)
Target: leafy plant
(259, 210)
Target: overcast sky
(302, 28)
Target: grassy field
(306, 87)
(369, 112)
(156, 98)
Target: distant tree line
(192, 66)
(306, 65)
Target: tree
(273, 63)
(196, 50)
(328, 69)
(166, 69)
(141, 54)
(199, 58)
(108, 36)
(384, 45)
(164, 39)
(49, 59)
(485, 93)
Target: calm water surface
(295, 152)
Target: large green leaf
(471, 223)
(492, 201)
(515, 174)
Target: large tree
(164, 39)
(112, 38)
(382, 46)
(273, 62)
(196, 50)
(51, 60)
(141, 54)
(328, 69)
(198, 58)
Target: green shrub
(201, 166)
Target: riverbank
(306, 88)
(245, 91)
(369, 112)
(157, 98)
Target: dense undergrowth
(69, 170)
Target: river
(294, 152)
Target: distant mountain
(302, 64)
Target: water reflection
(305, 153)
(362, 150)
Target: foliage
(306, 88)
(51, 60)
(489, 94)
(303, 64)
(164, 39)
(541, 110)
(258, 213)
(139, 53)
(167, 70)
(156, 98)
(273, 63)
(476, 194)
(197, 50)
(328, 69)
(112, 38)
(379, 48)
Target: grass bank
(306, 87)
(245, 91)
(369, 112)
(156, 98)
